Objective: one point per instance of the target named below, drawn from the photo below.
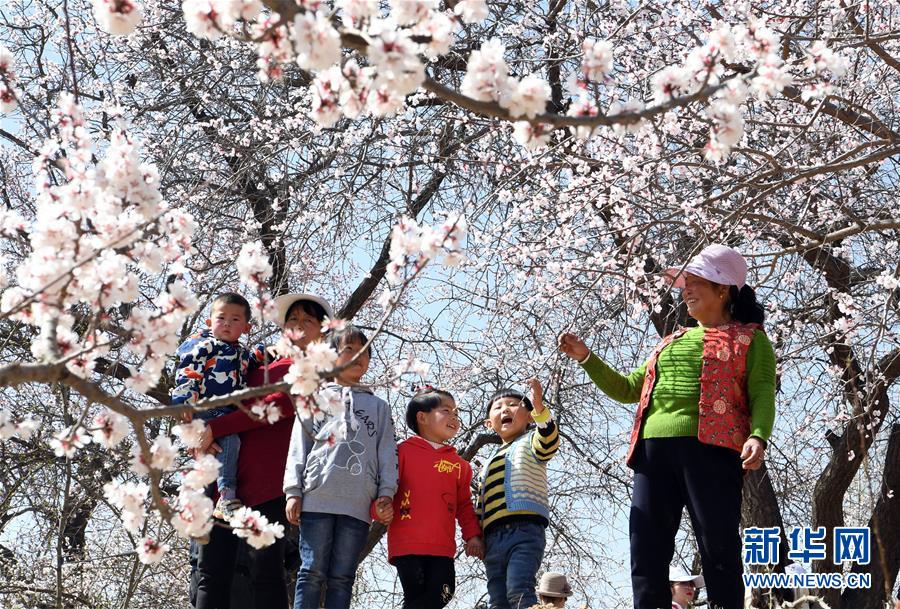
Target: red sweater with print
(434, 492)
(264, 447)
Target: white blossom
(192, 513)
(532, 136)
(109, 428)
(317, 43)
(255, 528)
(66, 442)
(527, 97)
(487, 75)
(204, 471)
(190, 433)
(162, 453)
(472, 11)
(117, 17)
(130, 498)
(150, 551)
(253, 264)
(597, 62)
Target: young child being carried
(513, 503)
(434, 492)
(213, 363)
(337, 466)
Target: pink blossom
(130, 499)
(771, 78)
(396, 61)
(822, 58)
(202, 18)
(265, 411)
(327, 89)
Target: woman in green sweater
(706, 405)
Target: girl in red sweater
(434, 492)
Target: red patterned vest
(724, 410)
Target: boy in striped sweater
(513, 504)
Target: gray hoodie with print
(341, 462)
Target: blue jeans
(228, 458)
(512, 558)
(330, 545)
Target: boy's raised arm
(545, 441)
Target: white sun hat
(677, 574)
(717, 263)
(283, 304)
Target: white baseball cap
(283, 304)
(717, 263)
(677, 574)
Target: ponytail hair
(743, 306)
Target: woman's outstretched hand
(574, 347)
(753, 453)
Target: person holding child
(213, 363)
(433, 493)
(706, 406)
(340, 468)
(513, 503)
(260, 468)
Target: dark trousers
(428, 581)
(669, 474)
(216, 563)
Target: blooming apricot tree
(157, 152)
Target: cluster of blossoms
(7, 81)
(413, 246)
(255, 271)
(95, 230)
(826, 66)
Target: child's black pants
(428, 581)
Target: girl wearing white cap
(684, 587)
(706, 405)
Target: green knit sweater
(674, 405)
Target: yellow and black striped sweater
(514, 486)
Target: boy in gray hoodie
(341, 470)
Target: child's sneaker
(225, 508)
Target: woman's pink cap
(717, 263)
